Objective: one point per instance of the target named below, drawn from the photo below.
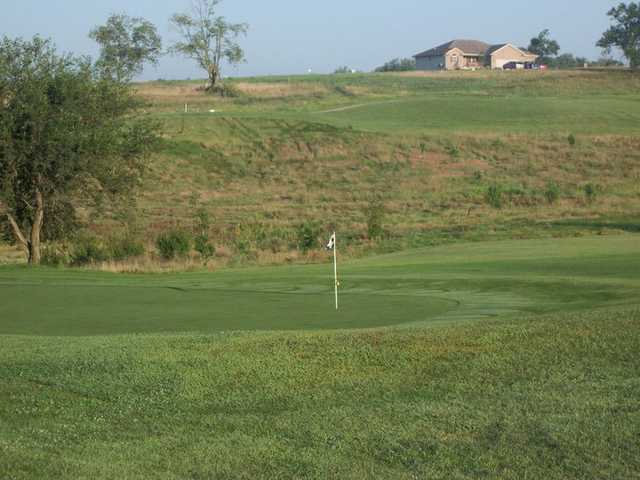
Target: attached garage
(499, 55)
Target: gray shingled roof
(470, 47)
(494, 48)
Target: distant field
(508, 360)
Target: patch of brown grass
(11, 255)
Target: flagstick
(335, 265)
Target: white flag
(332, 242)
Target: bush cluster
(173, 244)
(308, 234)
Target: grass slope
(320, 149)
(547, 397)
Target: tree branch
(18, 233)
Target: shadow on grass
(629, 224)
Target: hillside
(428, 158)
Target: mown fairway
(508, 114)
(532, 370)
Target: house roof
(494, 48)
(470, 47)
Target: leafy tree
(68, 137)
(544, 46)
(625, 33)
(398, 65)
(126, 44)
(208, 39)
(343, 69)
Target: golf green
(82, 310)
(438, 285)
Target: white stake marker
(332, 245)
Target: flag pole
(335, 265)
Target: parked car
(512, 66)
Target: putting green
(81, 310)
(445, 285)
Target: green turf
(444, 284)
(509, 114)
(595, 114)
(514, 359)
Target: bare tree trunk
(213, 77)
(36, 228)
(31, 246)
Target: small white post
(335, 265)
(186, 108)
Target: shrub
(122, 248)
(308, 233)
(552, 192)
(172, 244)
(375, 218)
(494, 196)
(224, 89)
(452, 150)
(203, 247)
(88, 250)
(571, 139)
(590, 193)
(54, 255)
(201, 241)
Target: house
(499, 55)
(471, 54)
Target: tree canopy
(208, 38)
(68, 136)
(126, 44)
(544, 46)
(398, 65)
(624, 33)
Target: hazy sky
(291, 36)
